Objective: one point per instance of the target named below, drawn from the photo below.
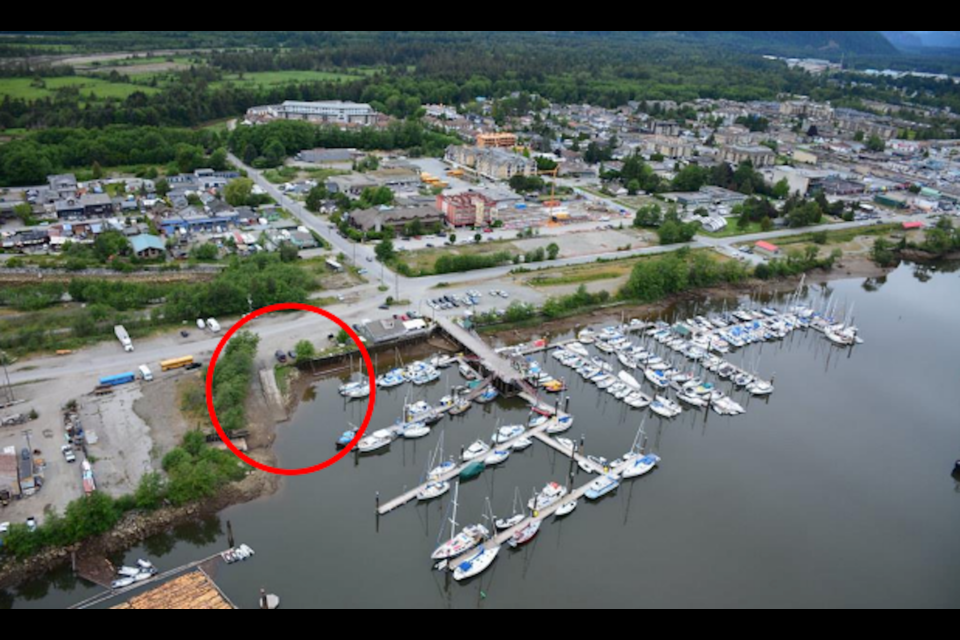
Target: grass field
(424, 260)
(274, 78)
(733, 230)
(23, 88)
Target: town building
(328, 156)
(767, 249)
(326, 112)
(396, 218)
(760, 156)
(496, 140)
(147, 247)
(665, 128)
(191, 220)
(468, 209)
(495, 164)
(667, 147)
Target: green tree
(150, 493)
(218, 160)
(109, 245)
(305, 350)
(274, 153)
(289, 252)
(238, 192)
(162, 187)
(453, 238)
(477, 238)
(781, 190)
(316, 197)
(553, 250)
(876, 144)
(96, 170)
(766, 224)
(385, 251)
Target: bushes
(797, 262)
(565, 305)
(456, 264)
(654, 279)
(231, 381)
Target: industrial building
(327, 112)
(467, 209)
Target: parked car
(292, 355)
(281, 357)
(31, 524)
(68, 454)
(193, 366)
(384, 307)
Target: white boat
(538, 420)
(665, 408)
(467, 539)
(142, 576)
(478, 449)
(639, 466)
(638, 400)
(510, 523)
(390, 380)
(578, 349)
(128, 572)
(498, 456)
(350, 387)
(526, 534)
(378, 440)
(693, 399)
(566, 443)
(442, 470)
(247, 550)
(629, 380)
(551, 494)
(566, 509)
(760, 388)
(433, 491)
(415, 431)
(506, 434)
(522, 444)
(587, 336)
(476, 564)
(122, 583)
(145, 564)
(602, 486)
(561, 425)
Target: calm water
(835, 492)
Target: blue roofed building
(147, 247)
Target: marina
(733, 493)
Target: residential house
(147, 247)
(63, 186)
(767, 249)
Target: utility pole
(6, 373)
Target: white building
(332, 112)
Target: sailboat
(526, 534)
(503, 524)
(461, 542)
(476, 564)
(638, 463)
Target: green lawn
(733, 230)
(23, 88)
(273, 78)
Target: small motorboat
(498, 456)
(146, 565)
(692, 399)
(567, 444)
(551, 494)
(638, 400)
(247, 550)
(760, 388)
(460, 408)
(128, 572)
(346, 438)
(561, 425)
(433, 491)
(510, 523)
(122, 583)
(602, 486)
(478, 449)
(476, 564)
(488, 396)
(415, 431)
(665, 408)
(557, 386)
(526, 534)
(375, 442)
(522, 444)
(537, 420)
(566, 509)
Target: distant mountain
(831, 44)
(914, 40)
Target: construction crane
(555, 172)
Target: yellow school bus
(176, 363)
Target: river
(834, 492)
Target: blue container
(116, 381)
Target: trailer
(117, 380)
(124, 338)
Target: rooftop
(191, 591)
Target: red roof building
(766, 247)
(909, 226)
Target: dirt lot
(586, 243)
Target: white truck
(145, 374)
(213, 325)
(124, 338)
